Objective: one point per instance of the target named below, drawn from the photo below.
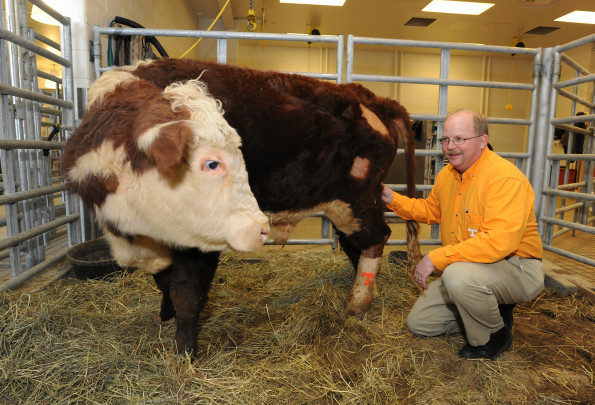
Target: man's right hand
(387, 194)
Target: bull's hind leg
(191, 277)
(163, 281)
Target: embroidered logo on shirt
(472, 232)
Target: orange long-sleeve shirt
(485, 215)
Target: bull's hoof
(357, 307)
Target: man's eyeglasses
(457, 140)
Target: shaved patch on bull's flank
(360, 167)
(339, 212)
(374, 121)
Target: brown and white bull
(309, 146)
(163, 172)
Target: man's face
(462, 157)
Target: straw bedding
(274, 332)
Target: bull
(309, 146)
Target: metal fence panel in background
(37, 210)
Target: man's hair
(480, 122)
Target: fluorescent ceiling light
(584, 17)
(457, 7)
(338, 3)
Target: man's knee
(454, 279)
(418, 327)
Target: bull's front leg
(364, 289)
(191, 277)
(163, 281)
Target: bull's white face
(208, 204)
(193, 190)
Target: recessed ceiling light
(316, 2)
(584, 17)
(457, 7)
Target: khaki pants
(466, 298)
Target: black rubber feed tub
(93, 260)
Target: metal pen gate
(554, 192)
(36, 210)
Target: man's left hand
(423, 270)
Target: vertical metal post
(533, 112)
(349, 59)
(221, 50)
(340, 55)
(540, 169)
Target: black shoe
(499, 341)
(506, 311)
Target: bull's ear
(169, 149)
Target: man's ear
(169, 149)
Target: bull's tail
(408, 137)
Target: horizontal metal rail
(24, 195)
(570, 194)
(13, 144)
(21, 237)
(569, 255)
(53, 13)
(31, 95)
(33, 47)
(33, 271)
(571, 225)
(433, 81)
(573, 44)
(574, 82)
(443, 45)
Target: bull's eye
(212, 164)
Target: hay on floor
(274, 332)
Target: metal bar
(572, 82)
(217, 34)
(400, 242)
(33, 47)
(15, 240)
(33, 271)
(450, 82)
(576, 98)
(31, 95)
(571, 156)
(13, 144)
(572, 128)
(36, 192)
(569, 208)
(574, 195)
(569, 255)
(578, 42)
(47, 41)
(444, 45)
(571, 225)
(53, 13)
(574, 120)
